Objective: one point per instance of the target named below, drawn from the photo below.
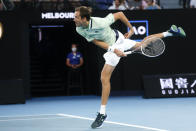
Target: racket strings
(153, 48)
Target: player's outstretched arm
(101, 44)
(120, 16)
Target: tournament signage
(140, 28)
(57, 15)
(180, 85)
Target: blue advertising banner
(140, 28)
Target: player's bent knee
(105, 79)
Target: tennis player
(98, 31)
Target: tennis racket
(151, 47)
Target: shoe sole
(182, 32)
(174, 28)
(97, 127)
(178, 30)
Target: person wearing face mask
(74, 73)
(74, 59)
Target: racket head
(1, 30)
(152, 47)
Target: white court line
(31, 119)
(23, 119)
(116, 123)
(78, 117)
(29, 115)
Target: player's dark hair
(84, 12)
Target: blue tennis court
(76, 113)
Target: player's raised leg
(173, 31)
(177, 31)
(105, 80)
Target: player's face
(78, 20)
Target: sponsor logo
(166, 83)
(177, 86)
(140, 28)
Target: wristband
(110, 49)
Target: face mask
(74, 49)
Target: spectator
(134, 4)
(60, 5)
(74, 3)
(151, 5)
(1, 6)
(6, 5)
(100, 4)
(74, 73)
(193, 4)
(74, 59)
(144, 4)
(184, 3)
(119, 5)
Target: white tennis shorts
(121, 44)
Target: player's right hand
(129, 34)
(119, 53)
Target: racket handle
(128, 52)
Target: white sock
(102, 109)
(166, 34)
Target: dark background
(17, 46)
